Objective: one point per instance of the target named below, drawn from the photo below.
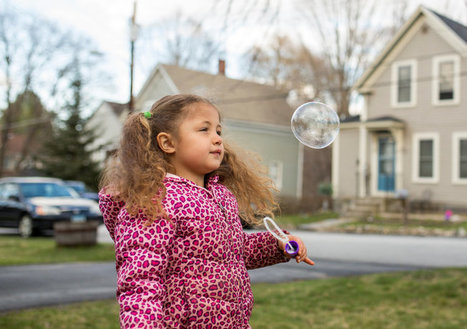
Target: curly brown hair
(135, 173)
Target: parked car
(82, 190)
(34, 204)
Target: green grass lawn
(432, 299)
(17, 251)
(39, 250)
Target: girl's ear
(164, 140)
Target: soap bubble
(315, 124)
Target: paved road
(42, 285)
(382, 249)
(334, 254)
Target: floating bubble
(315, 124)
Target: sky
(107, 22)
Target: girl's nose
(217, 139)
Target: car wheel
(25, 227)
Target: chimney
(221, 67)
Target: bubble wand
(291, 246)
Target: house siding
(273, 144)
(423, 48)
(347, 143)
(107, 127)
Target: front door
(386, 164)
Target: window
(275, 173)
(459, 161)
(404, 75)
(8, 190)
(446, 88)
(403, 83)
(446, 81)
(463, 158)
(425, 158)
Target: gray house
(256, 117)
(411, 136)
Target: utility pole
(133, 37)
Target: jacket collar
(174, 178)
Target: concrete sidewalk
(327, 223)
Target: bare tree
(27, 46)
(198, 42)
(288, 65)
(178, 40)
(344, 34)
(348, 34)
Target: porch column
(362, 149)
(399, 172)
(362, 160)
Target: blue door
(386, 164)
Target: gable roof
(237, 99)
(117, 108)
(453, 32)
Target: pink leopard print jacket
(191, 273)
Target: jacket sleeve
(110, 210)
(260, 250)
(141, 267)
(141, 253)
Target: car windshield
(48, 190)
(76, 186)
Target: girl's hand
(302, 252)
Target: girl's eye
(203, 129)
(219, 133)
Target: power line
(25, 123)
(424, 79)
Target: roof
(458, 28)
(236, 99)
(385, 118)
(352, 118)
(453, 32)
(377, 123)
(118, 108)
(384, 123)
(27, 179)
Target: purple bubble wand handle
(291, 246)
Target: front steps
(364, 208)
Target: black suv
(34, 204)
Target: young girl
(172, 199)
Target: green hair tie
(147, 115)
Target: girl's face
(197, 146)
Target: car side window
(2, 192)
(9, 191)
